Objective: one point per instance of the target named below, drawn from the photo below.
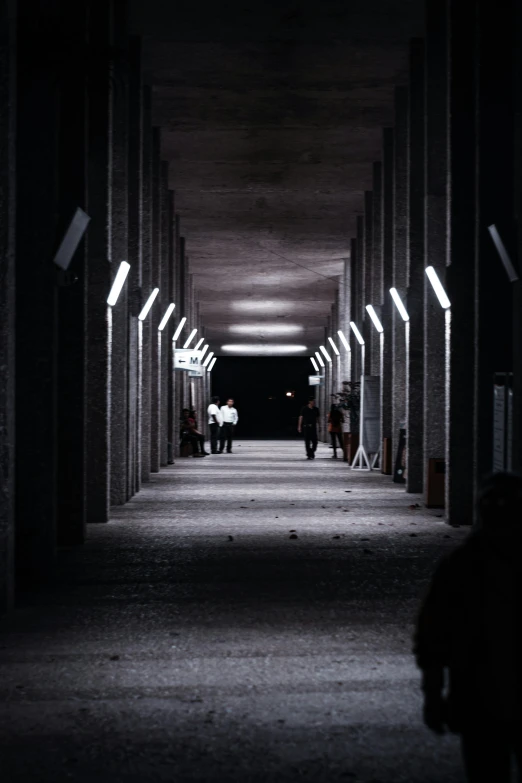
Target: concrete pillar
(355, 274)
(147, 285)
(36, 233)
(344, 318)
(517, 287)
(400, 260)
(375, 295)
(365, 324)
(460, 276)
(70, 334)
(436, 125)
(135, 231)
(119, 251)
(159, 306)
(7, 298)
(167, 294)
(97, 432)
(416, 274)
(387, 304)
(493, 315)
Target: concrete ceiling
(271, 117)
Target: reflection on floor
(246, 617)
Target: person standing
(230, 419)
(215, 420)
(308, 425)
(335, 421)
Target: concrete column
(147, 285)
(355, 275)
(159, 305)
(493, 315)
(366, 325)
(7, 298)
(436, 126)
(70, 374)
(135, 231)
(416, 274)
(97, 432)
(36, 235)
(400, 259)
(167, 296)
(174, 376)
(344, 318)
(119, 251)
(460, 276)
(387, 304)
(375, 295)
(517, 287)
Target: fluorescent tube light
(203, 351)
(168, 313)
(438, 288)
(335, 349)
(325, 353)
(316, 366)
(199, 344)
(212, 363)
(179, 329)
(375, 318)
(319, 359)
(209, 357)
(148, 304)
(399, 305)
(357, 333)
(190, 338)
(119, 280)
(344, 341)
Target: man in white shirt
(230, 419)
(215, 420)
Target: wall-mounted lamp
(343, 339)
(319, 359)
(325, 353)
(179, 329)
(335, 349)
(357, 333)
(204, 350)
(212, 363)
(118, 283)
(190, 338)
(199, 344)
(399, 305)
(168, 313)
(316, 366)
(375, 318)
(207, 360)
(148, 304)
(438, 288)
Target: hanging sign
(187, 359)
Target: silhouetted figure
(468, 638)
(307, 423)
(230, 419)
(335, 422)
(215, 420)
(191, 434)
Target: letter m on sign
(194, 360)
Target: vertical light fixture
(148, 304)
(335, 349)
(399, 305)
(316, 366)
(325, 353)
(168, 313)
(212, 363)
(375, 318)
(357, 333)
(199, 344)
(190, 338)
(438, 288)
(343, 339)
(204, 350)
(118, 283)
(179, 329)
(319, 358)
(208, 359)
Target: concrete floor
(193, 639)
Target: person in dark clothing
(308, 425)
(335, 422)
(469, 631)
(190, 432)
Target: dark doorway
(259, 387)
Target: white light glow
(438, 288)
(204, 350)
(212, 363)
(208, 359)
(179, 329)
(335, 349)
(344, 341)
(316, 366)
(168, 313)
(264, 306)
(319, 359)
(148, 304)
(289, 394)
(199, 344)
(119, 281)
(262, 329)
(357, 333)
(325, 353)
(375, 318)
(263, 349)
(190, 338)
(399, 305)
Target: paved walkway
(197, 637)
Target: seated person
(190, 433)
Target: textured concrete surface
(193, 639)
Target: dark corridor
(260, 387)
